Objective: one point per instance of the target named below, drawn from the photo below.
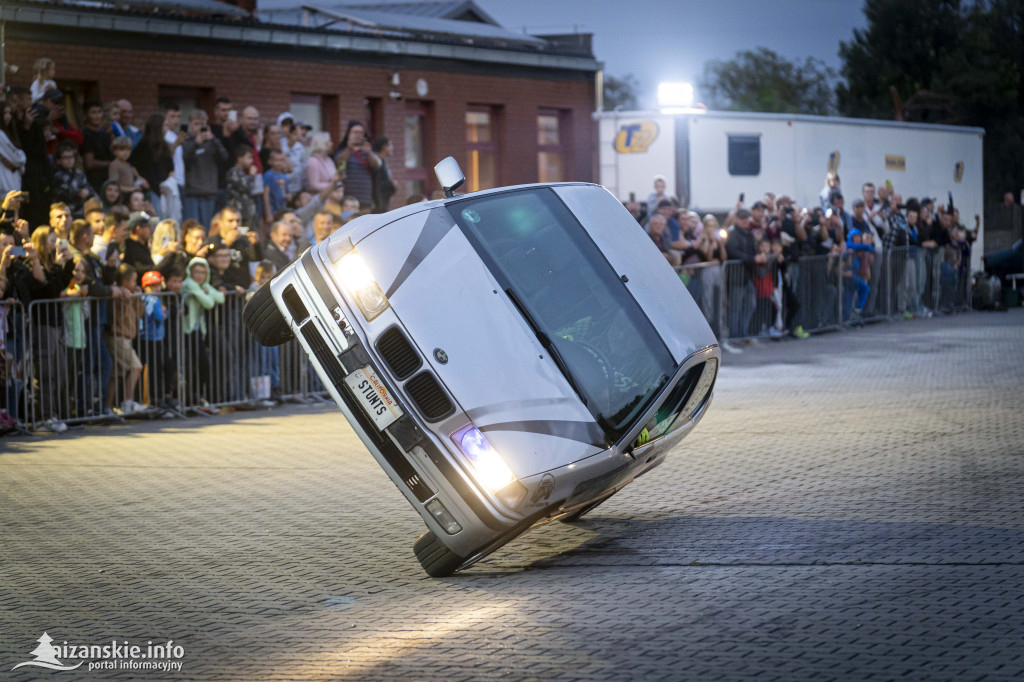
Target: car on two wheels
(509, 357)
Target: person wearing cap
(53, 99)
(152, 333)
(740, 246)
(136, 248)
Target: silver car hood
(513, 391)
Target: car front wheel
(263, 319)
(435, 558)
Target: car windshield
(572, 297)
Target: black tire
(264, 321)
(575, 516)
(436, 559)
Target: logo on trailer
(958, 171)
(635, 138)
(895, 162)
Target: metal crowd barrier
(64, 361)
(13, 371)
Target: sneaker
(130, 407)
(55, 425)
(729, 348)
(775, 333)
(907, 315)
(7, 421)
(267, 403)
(800, 333)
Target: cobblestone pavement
(851, 508)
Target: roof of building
(455, 29)
(381, 17)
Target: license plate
(371, 393)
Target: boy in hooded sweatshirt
(860, 257)
(198, 297)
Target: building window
(550, 146)
(187, 99)
(416, 152)
(308, 108)
(744, 154)
(482, 148)
(319, 111)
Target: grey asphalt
(850, 508)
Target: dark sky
(659, 40)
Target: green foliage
(971, 52)
(620, 93)
(762, 80)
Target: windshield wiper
(547, 343)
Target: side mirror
(449, 175)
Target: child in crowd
(764, 287)
(45, 71)
(124, 321)
(275, 186)
(69, 183)
(76, 334)
(198, 297)
(122, 171)
(349, 208)
(267, 360)
(152, 335)
(240, 183)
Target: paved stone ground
(851, 508)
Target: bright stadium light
(675, 95)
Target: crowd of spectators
(771, 239)
(114, 214)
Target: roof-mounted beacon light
(449, 175)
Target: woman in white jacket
(12, 158)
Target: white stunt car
(509, 357)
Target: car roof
(365, 225)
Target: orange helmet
(152, 277)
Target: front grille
(398, 353)
(429, 396)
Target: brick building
(437, 78)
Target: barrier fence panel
(95, 359)
(704, 282)
(14, 357)
(818, 293)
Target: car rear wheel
(264, 320)
(575, 516)
(435, 558)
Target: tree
(969, 57)
(901, 47)
(620, 93)
(763, 80)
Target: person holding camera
(204, 155)
(360, 163)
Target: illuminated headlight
(700, 391)
(490, 468)
(359, 282)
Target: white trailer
(709, 158)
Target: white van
(509, 357)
